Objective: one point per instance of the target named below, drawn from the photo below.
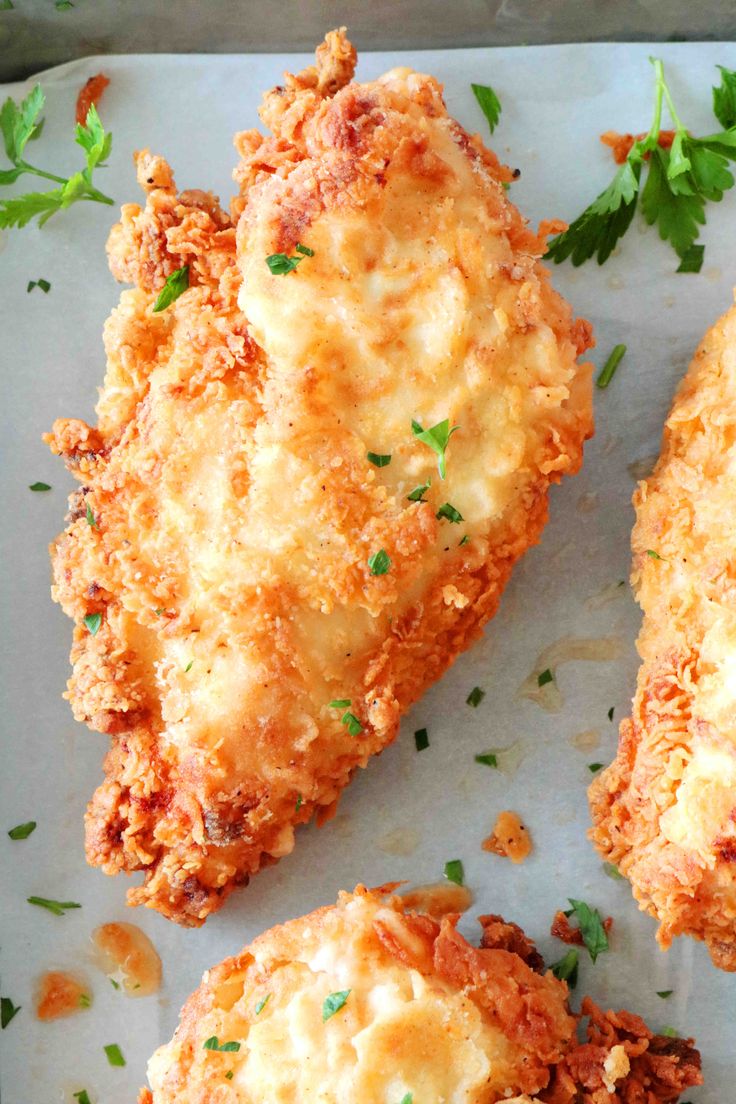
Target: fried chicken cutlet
(665, 811)
(369, 1002)
(307, 488)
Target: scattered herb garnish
(612, 871)
(299, 802)
(670, 1032)
(664, 993)
(57, 907)
(417, 495)
(379, 459)
(334, 1003)
(594, 767)
(591, 927)
(566, 969)
(407, 1098)
(489, 104)
(339, 703)
(352, 724)
(437, 438)
(114, 1054)
(63, 5)
(188, 667)
(213, 1043)
(229, 1075)
(421, 739)
(39, 486)
(44, 285)
(85, 1000)
(280, 264)
(464, 540)
(82, 1096)
(609, 368)
(653, 555)
(379, 563)
(91, 519)
(679, 183)
(449, 512)
(487, 758)
(475, 697)
(176, 284)
(544, 677)
(115, 984)
(93, 622)
(610, 713)
(454, 871)
(18, 123)
(262, 1003)
(22, 831)
(8, 1011)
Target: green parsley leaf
(334, 1003)
(21, 122)
(176, 284)
(44, 285)
(437, 438)
(8, 1011)
(39, 486)
(454, 871)
(22, 831)
(594, 767)
(487, 758)
(613, 872)
(63, 5)
(724, 99)
(57, 907)
(115, 984)
(591, 928)
(229, 1075)
(93, 622)
(114, 1054)
(213, 1043)
(566, 968)
(380, 459)
(544, 677)
(421, 739)
(417, 495)
(280, 264)
(91, 519)
(678, 215)
(665, 993)
(475, 697)
(610, 713)
(85, 1000)
(299, 803)
(304, 250)
(339, 703)
(352, 724)
(653, 555)
(598, 229)
(188, 667)
(670, 1032)
(379, 563)
(692, 259)
(609, 368)
(407, 1098)
(449, 512)
(489, 104)
(262, 1003)
(6, 5)
(82, 1096)
(465, 540)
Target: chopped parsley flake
(39, 486)
(653, 555)
(594, 767)
(176, 284)
(352, 724)
(379, 459)
(609, 368)
(339, 703)
(566, 969)
(407, 1098)
(8, 1011)
(454, 871)
(44, 285)
(57, 907)
(670, 1032)
(22, 831)
(115, 984)
(610, 713)
(114, 1054)
(465, 540)
(475, 697)
(91, 520)
(82, 1096)
(612, 871)
(591, 928)
(334, 1003)
(213, 1043)
(544, 677)
(188, 667)
(299, 802)
(449, 512)
(421, 739)
(93, 622)
(379, 563)
(417, 495)
(665, 993)
(437, 438)
(262, 1003)
(487, 758)
(489, 104)
(229, 1075)
(85, 1000)
(280, 264)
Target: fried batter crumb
(509, 838)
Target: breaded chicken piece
(421, 1015)
(665, 811)
(233, 524)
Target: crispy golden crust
(665, 811)
(234, 506)
(426, 1014)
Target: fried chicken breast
(665, 810)
(311, 477)
(368, 1002)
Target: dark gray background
(34, 35)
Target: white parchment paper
(438, 804)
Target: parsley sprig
(20, 122)
(680, 181)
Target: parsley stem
(653, 135)
(609, 368)
(40, 172)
